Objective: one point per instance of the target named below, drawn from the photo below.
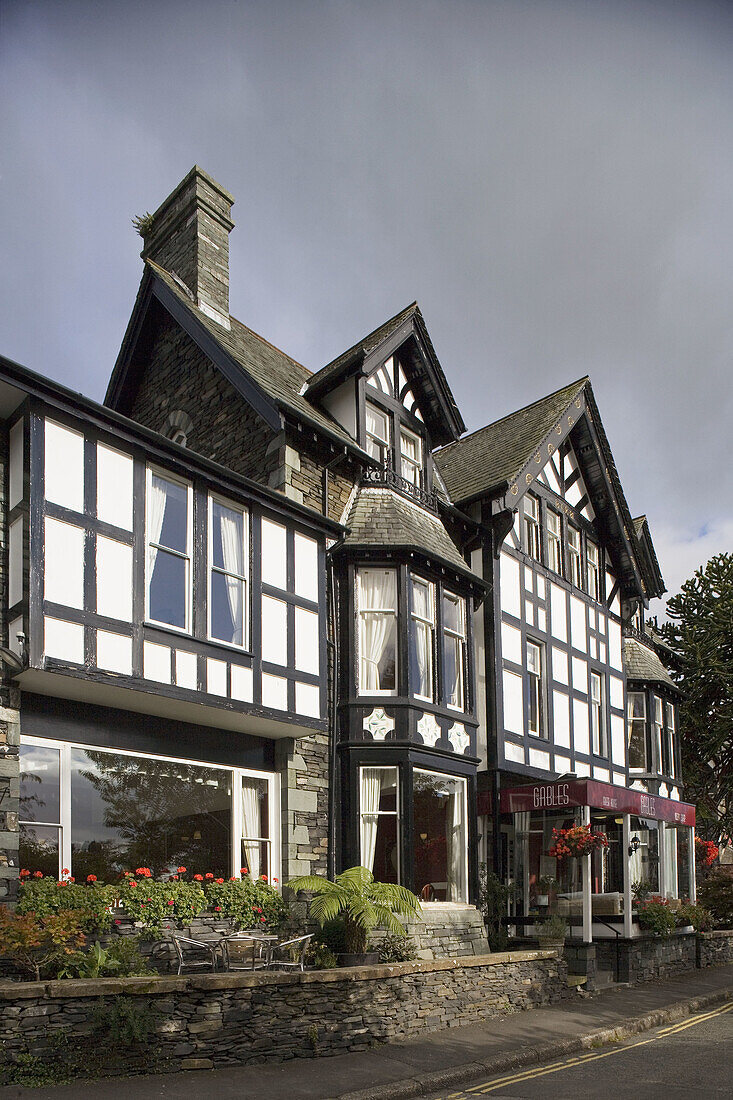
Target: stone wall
(237, 1019)
(303, 768)
(648, 958)
(449, 931)
(715, 949)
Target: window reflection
(439, 814)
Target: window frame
(187, 557)
(630, 719)
(360, 611)
(536, 691)
(417, 621)
(597, 714)
(416, 465)
(554, 542)
(396, 813)
(384, 445)
(213, 498)
(657, 731)
(462, 638)
(593, 569)
(532, 528)
(575, 558)
(671, 735)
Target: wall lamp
(634, 845)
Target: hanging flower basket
(576, 841)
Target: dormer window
(410, 456)
(393, 431)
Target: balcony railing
(388, 477)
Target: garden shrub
(716, 894)
(698, 916)
(397, 949)
(92, 903)
(320, 957)
(153, 903)
(40, 947)
(246, 902)
(657, 916)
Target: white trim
(211, 568)
(187, 557)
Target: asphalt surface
(693, 1058)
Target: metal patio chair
(195, 954)
(292, 952)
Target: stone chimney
(188, 235)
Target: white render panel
(602, 623)
(514, 752)
(602, 649)
(541, 620)
(663, 790)
(618, 740)
(511, 643)
(614, 645)
(306, 567)
(114, 652)
(580, 727)
(539, 759)
(615, 605)
(114, 487)
(581, 768)
(562, 763)
(114, 579)
(513, 706)
(63, 640)
(674, 794)
(559, 665)
(529, 579)
(561, 718)
(186, 669)
(509, 583)
(578, 635)
(241, 683)
(306, 641)
(64, 466)
(156, 662)
(274, 631)
(216, 677)
(619, 779)
(15, 464)
(552, 481)
(558, 615)
(616, 692)
(15, 561)
(274, 692)
(580, 675)
(64, 563)
(603, 774)
(307, 700)
(274, 556)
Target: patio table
(254, 939)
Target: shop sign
(599, 796)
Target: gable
(390, 379)
(561, 475)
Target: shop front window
(644, 861)
(441, 847)
(379, 822)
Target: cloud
(683, 550)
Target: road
(693, 1058)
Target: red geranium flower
(91, 878)
(118, 922)
(243, 871)
(264, 878)
(171, 902)
(262, 920)
(219, 881)
(61, 882)
(275, 880)
(217, 909)
(132, 882)
(38, 874)
(181, 870)
(72, 879)
(208, 875)
(198, 878)
(24, 873)
(233, 878)
(174, 878)
(64, 870)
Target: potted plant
(364, 904)
(551, 932)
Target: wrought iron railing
(388, 477)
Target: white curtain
(455, 844)
(421, 606)
(371, 791)
(376, 590)
(231, 546)
(156, 512)
(251, 825)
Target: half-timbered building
(260, 617)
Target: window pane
(439, 815)
(379, 823)
(256, 858)
(533, 658)
(378, 644)
(421, 660)
(128, 812)
(453, 614)
(168, 589)
(39, 849)
(227, 543)
(453, 666)
(39, 784)
(173, 530)
(255, 825)
(227, 603)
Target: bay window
(379, 822)
(378, 434)
(574, 555)
(454, 650)
(377, 616)
(532, 539)
(440, 837)
(554, 541)
(168, 559)
(536, 717)
(410, 457)
(422, 631)
(637, 752)
(228, 562)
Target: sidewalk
(439, 1060)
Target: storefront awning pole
(664, 869)
(626, 862)
(691, 865)
(587, 914)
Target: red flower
(219, 881)
(275, 880)
(144, 872)
(243, 871)
(174, 878)
(91, 878)
(171, 902)
(233, 878)
(38, 874)
(61, 882)
(132, 882)
(198, 878)
(24, 873)
(263, 878)
(64, 870)
(181, 870)
(262, 920)
(217, 909)
(118, 922)
(208, 875)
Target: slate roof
(642, 663)
(379, 517)
(495, 455)
(361, 349)
(277, 374)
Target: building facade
(267, 619)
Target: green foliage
(40, 947)
(96, 962)
(397, 949)
(248, 902)
(552, 927)
(332, 934)
(364, 903)
(124, 1021)
(44, 896)
(640, 891)
(700, 635)
(153, 903)
(124, 951)
(716, 894)
(492, 901)
(698, 916)
(320, 957)
(656, 916)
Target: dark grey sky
(553, 182)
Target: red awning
(599, 796)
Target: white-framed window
(593, 565)
(574, 563)
(379, 822)
(597, 714)
(658, 730)
(532, 534)
(454, 650)
(168, 518)
(410, 456)
(422, 634)
(378, 433)
(228, 596)
(377, 621)
(671, 739)
(637, 753)
(440, 836)
(535, 690)
(104, 811)
(554, 541)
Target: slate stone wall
(715, 949)
(445, 932)
(303, 767)
(238, 1019)
(648, 958)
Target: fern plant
(364, 903)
